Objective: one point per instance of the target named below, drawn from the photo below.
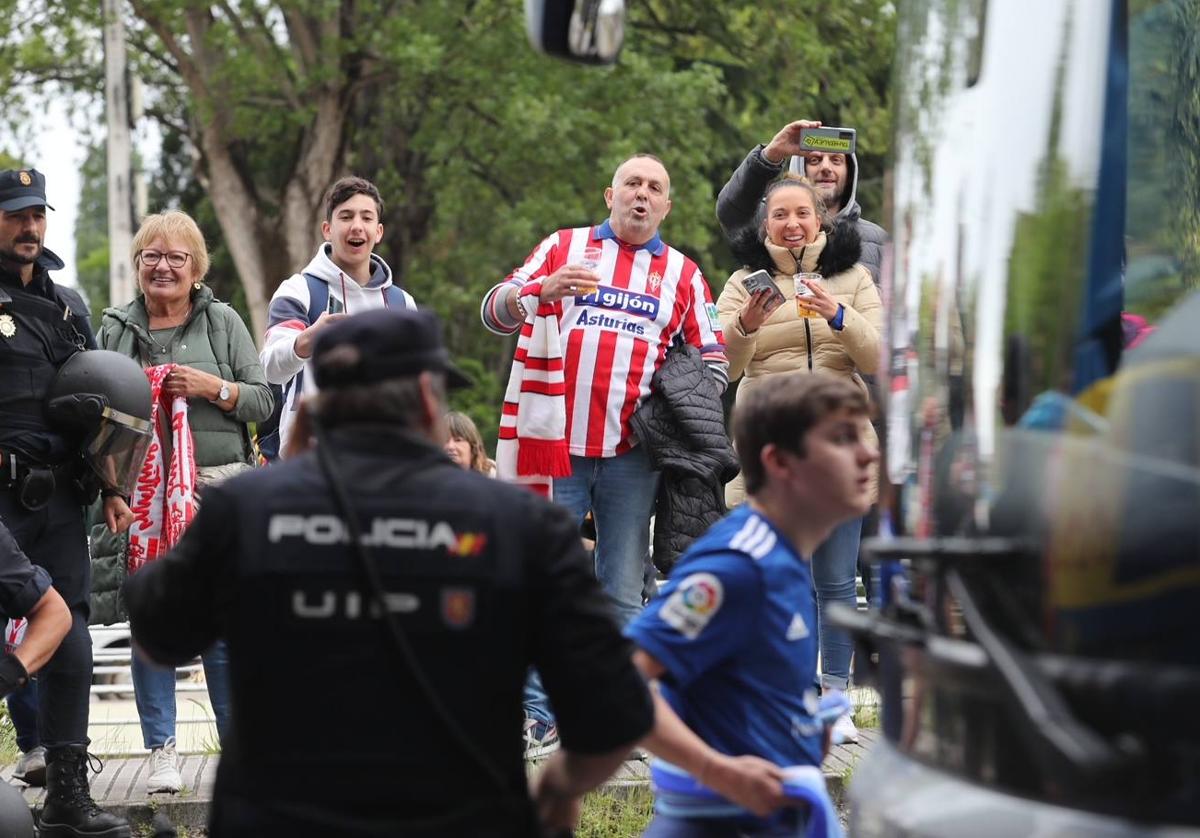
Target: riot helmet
(101, 400)
(15, 818)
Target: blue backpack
(318, 304)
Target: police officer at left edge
(44, 484)
(25, 591)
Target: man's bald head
(639, 198)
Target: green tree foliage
(480, 145)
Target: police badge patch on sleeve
(689, 608)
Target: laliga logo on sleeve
(703, 595)
(689, 608)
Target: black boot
(69, 811)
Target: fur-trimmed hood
(842, 249)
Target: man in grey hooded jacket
(835, 175)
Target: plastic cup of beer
(591, 260)
(804, 294)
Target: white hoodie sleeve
(287, 317)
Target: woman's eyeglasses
(175, 258)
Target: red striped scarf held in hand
(163, 502)
(532, 445)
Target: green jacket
(109, 556)
(214, 339)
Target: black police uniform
(22, 584)
(331, 737)
(39, 330)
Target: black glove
(12, 674)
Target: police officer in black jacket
(25, 591)
(42, 491)
(357, 714)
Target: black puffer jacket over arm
(682, 426)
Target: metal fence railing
(113, 723)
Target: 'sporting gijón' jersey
(614, 339)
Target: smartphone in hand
(828, 140)
(760, 280)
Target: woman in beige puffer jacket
(762, 340)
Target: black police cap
(388, 343)
(22, 188)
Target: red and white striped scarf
(164, 498)
(14, 633)
(532, 445)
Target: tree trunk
(238, 214)
(268, 249)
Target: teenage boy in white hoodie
(345, 277)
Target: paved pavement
(121, 785)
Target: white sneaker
(164, 775)
(844, 732)
(31, 767)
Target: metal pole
(120, 166)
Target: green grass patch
(623, 813)
(9, 752)
(866, 716)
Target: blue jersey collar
(605, 231)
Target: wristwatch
(223, 393)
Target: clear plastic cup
(591, 260)
(803, 293)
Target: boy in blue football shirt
(731, 638)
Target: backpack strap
(318, 297)
(394, 297)
(318, 304)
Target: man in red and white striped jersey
(621, 296)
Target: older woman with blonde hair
(175, 320)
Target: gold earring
(196, 285)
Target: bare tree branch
(486, 117)
(169, 119)
(301, 33)
(183, 61)
(487, 174)
(258, 43)
(281, 55)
